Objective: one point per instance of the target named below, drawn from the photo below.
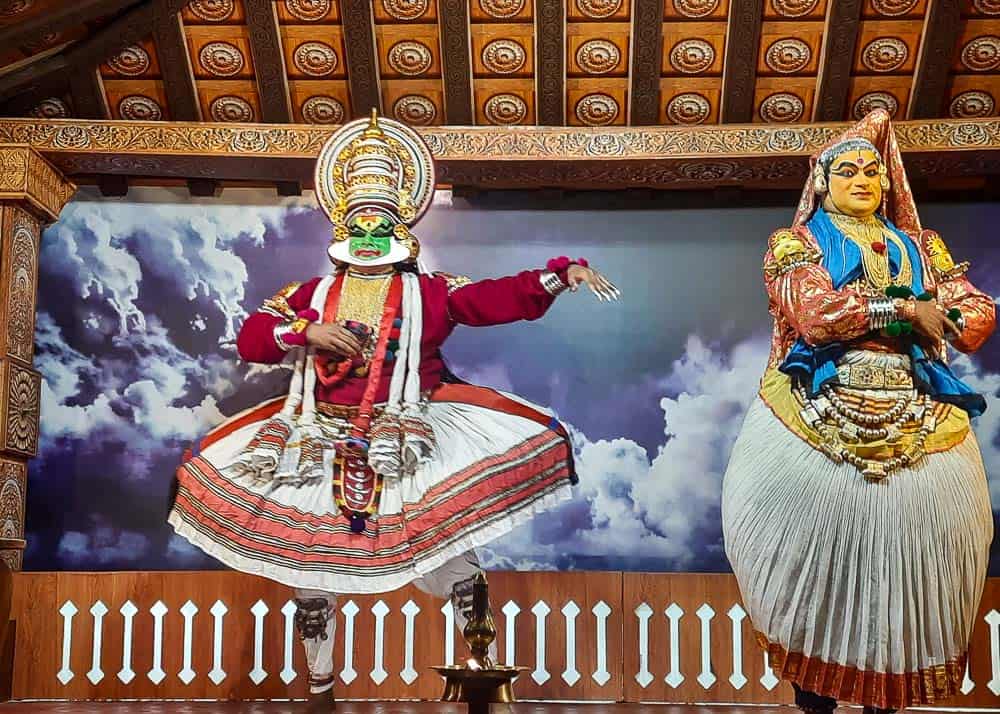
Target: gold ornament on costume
(374, 165)
(942, 263)
(867, 232)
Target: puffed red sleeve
(500, 300)
(803, 291)
(978, 311)
(257, 341)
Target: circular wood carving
(695, 8)
(406, 9)
(688, 108)
(212, 10)
(598, 9)
(308, 10)
(969, 105)
(415, 110)
(139, 107)
(505, 109)
(871, 101)
(794, 8)
(782, 107)
(131, 61)
(221, 59)
(597, 109)
(598, 56)
(410, 57)
(51, 108)
(504, 56)
(231, 109)
(885, 54)
(317, 59)
(692, 56)
(982, 54)
(788, 55)
(323, 110)
(502, 9)
(893, 8)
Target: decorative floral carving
(140, 108)
(598, 9)
(415, 110)
(505, 109)
(323, 110)
(885, 54)
(212, 10)
(688, 108)
(969, 105)
(21, 300)
(794, 8)
(10, 509)
(695, 8)
(598, 56)
(788, 55)
(597, 109)
(230, 108)
(308, 10)
(871, 101)
(987, 7)
(406, 9)
(51, 108)
(14, 7)
(22, 410)
(316, 59)
(894, 8)
(221, 59)
(131, 61)
(502, 9)
(692, 56)
(410, 57)
(782, 107)
(982, 54)
(504, 56)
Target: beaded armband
(293, 333)
(278, 306)
(454, 282)
(881, 312)
(788, 253)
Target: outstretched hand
(603, 288)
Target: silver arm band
(881, 311)
(280, 330)
(960, 323)
(552, 283)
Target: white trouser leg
(316, 623)
(453, 581)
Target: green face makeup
(371, 238)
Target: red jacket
(487, 302)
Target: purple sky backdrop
(141, 298)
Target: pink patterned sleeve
(978, 310)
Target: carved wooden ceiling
(500, 62)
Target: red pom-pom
(559, 264)
(308, 314)
(294, 339)
(878, 247)
(582, 262)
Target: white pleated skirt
(865, 592)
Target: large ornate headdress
(873, 132)
(378, 167)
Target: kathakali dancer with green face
(855, 507)
(378, 469)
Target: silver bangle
(552, 283)
(280, 330)
(881, 311)
(960, 324)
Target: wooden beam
(60, 17)
(176, 70)
(113, 185)
(87, 90)
(108, 41)
(204, 188)
(840, 38)
(269, 61)
(644, 67)
(550, 62)
(362, 62)
(456, 61)
(942, 30)
(739, 73)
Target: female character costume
(856, 511)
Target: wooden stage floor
(374, 708)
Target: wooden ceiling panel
(972, 96)
(978, 47)
(598, 10)
(596, 101)
(504, 102)
(417, 102)
(981, 8)
(319, 101)
(502, 10)
(139, 61)
(894, 9)
(293, 12)
(887, 46)
(597, 49)
(888, 92)
(137, 99)
(795, 9)
(406, 11)
(214, 12)
(690, 101)
(693, 48)
(503, 50)
(314, 51)
(230, 100)
(784, 100)
(219, 52)
(789, 48)
(24, 10)
(695, 9)
(408, 51)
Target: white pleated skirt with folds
(865, 592)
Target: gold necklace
(864, 232)
(362, 299)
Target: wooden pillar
(32, 193)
